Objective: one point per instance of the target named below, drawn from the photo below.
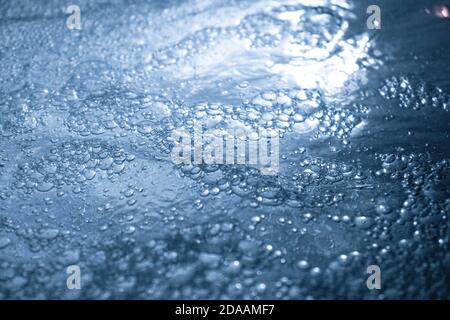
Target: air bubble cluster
(87, 119)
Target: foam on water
(86, 175)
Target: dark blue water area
(87, 176)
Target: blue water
(87, 179)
